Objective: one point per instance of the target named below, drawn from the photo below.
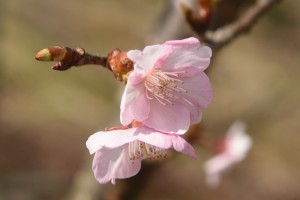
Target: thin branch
(116, 61)
(224, 35)
(68, 57)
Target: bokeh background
(46, 116)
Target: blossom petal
(134, 104)
(165, 141)
(188, 53)
(185, 43)
(112, 139)
(114, 164)
(195, 111)
(146, 60)
(180, 145)
(199, 89)
(154, 137)
(237, 144)
(168, 118)
(214, 168)
(196, 115)
(238, 141)
(217, 164)
(199, 95)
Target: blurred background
(46, 115)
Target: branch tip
(67, 57)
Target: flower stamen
(164, 86)
(139, 150)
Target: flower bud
(120, 64)
(55, 53)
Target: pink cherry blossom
(236, 145)
(119, 152)
(168, 89)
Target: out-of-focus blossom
(235, 146)
(167, 88)
(189, 3)
(119, 152)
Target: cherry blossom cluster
(164, 94)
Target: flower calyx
(119, 64)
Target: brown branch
(224, 35)
(116, 61)
(68, 57)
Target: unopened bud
(55, 53)
(198, 21)
(119, 64)
(205, 10)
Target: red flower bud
(119, 64)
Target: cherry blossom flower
(119, 152)
(167, 88)
(235, 147)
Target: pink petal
(112, 139)
(191, 44)
(180, 145)
(144, 61)
(160, 62)
(186, 56)
(199, 89)
(238, 142)
(134, 104)
(136, 77)
(154, 137)
(188, 71)
(186, 43)
(165, 141)
(214, 167)
(196, 115)
(114, 164)
(168, 118)
(199, 95)
(217, 164)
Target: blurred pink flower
(167, 88)
(236, 146)
(119, 152)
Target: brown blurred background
(46, 116)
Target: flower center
(139, 150)
(164, 86)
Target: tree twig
(224, 35)
(116, 61)
(68, 57)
